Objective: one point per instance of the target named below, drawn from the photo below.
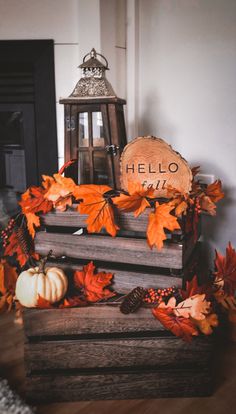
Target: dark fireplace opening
(28, 134)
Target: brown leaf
(136, 201)
(226, 270)
(214, 191)
(179, 200)
(205, 325)
(181, 327)
(207, 205)
(93, 286)
(195, 171)
(227, 301)
(98, 207)
(159, 220)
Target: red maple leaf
(182, 327)
(93, 286)
(226, 269)
(72, 302)
(192, 288)
(43, 303)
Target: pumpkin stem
(43, 262)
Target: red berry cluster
(7, 232)
(159, 295)
(197, 207)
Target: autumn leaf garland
(100, 203)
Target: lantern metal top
(93, 62)
(93, 82)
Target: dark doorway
(28, 135)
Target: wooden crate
(96, 353)
(127, 256)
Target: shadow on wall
(148, 122)
(216, 231)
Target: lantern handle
(93, 53)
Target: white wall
(187, 90)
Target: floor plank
(223, 400)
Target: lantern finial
(93, 82)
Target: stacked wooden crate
(96, 352)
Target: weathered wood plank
(159, 384)
(88, 320)
(72, 218)
(105, 248)
(126, 280)
(87, 354)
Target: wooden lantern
(94, 126)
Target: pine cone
(24, 239)
(133, 300)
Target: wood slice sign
(154, 163)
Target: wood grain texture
(12, 368)
(172, 383)
(105, 248)
(71, 218)
(151, 161)
(141, 352)
(126, 280)
(88, 320)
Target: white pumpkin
(51, 284)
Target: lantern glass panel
(98, 130)
(101, 171)
(83, 129)
(83, 168)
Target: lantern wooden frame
(112, 112)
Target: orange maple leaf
(8, 278)
(136, 201)
(98, 207)
(32, 202)
(159, 220)
(214, 191)
(33, 222)
(14, 247)
(179, 326)
(93, 285)
(226, 270)
(60, 191)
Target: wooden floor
(222, 402)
